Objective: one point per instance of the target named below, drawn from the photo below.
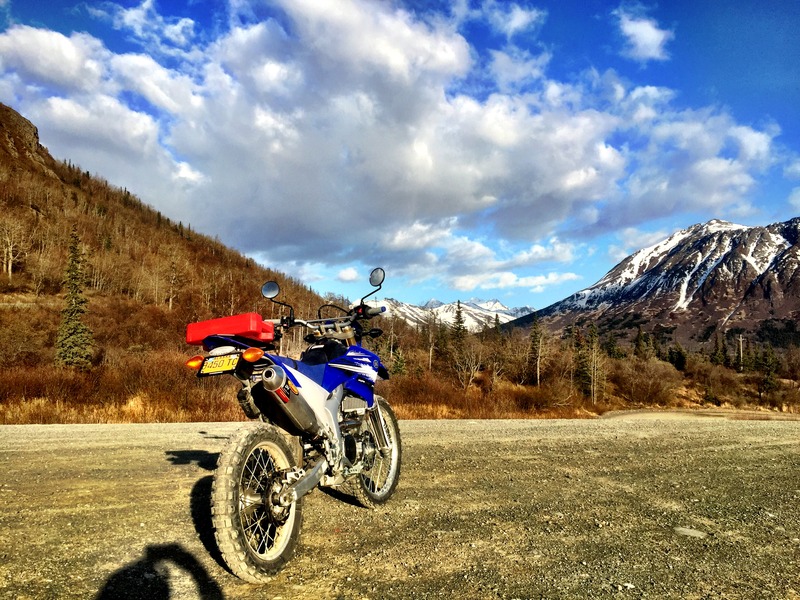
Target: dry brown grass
(430, 397)
(155, 386)
(147, 387)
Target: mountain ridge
(713, 275)
(477, 314)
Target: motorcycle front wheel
(378, 481)
(255, 535)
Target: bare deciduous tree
(15, 240)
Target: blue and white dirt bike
(321, 425)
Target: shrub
(646, 381)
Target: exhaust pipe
(290, 400)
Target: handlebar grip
(374, 311)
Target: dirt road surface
(658, 506)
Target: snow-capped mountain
(714, 274)
(477, 314)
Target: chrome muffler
(290, 400)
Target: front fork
(379, 429)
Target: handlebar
(374, 311)
(362, 311)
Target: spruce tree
(458, 331)
(678, 357)
(399, 363)
(718, 357)
(641, 345)
(612, 347)
(768, 366)
(74, 343)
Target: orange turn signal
(252, 354)
(195, 362)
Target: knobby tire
(254, 541)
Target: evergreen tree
(74, 343)
(641, 345)
(458, 334)
(399, 363)
(612, 347)
(768, 365)
(677, 357)
(726, 352)
(719, 355)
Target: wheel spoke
(261, 533)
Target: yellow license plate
(216, 365)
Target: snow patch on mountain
(477, 314)
(717, 272)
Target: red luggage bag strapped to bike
(249, 325)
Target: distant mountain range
(711, 277)
(477, 314)
(715, 276)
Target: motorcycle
(321, 424)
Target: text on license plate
(216, 365)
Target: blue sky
(488, 149)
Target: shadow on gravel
(150, 577)
(210, 436)
(341, 496)
(200, 497)
(201, 517)
(202, 458)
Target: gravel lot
(664, 505)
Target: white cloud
(159, 35)
(161, 87)
(376, 41)
(514, 69)
(348, 274)
(511, 19)
(50, 59)
(645, 41)
(506, 280)
(632, 239)
(285, 136)
(794, 198)
(557, 251)
(792, 170)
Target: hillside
(146, 276)
(711, 277)
(134, 255)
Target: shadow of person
(149, 578)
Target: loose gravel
(654, 505)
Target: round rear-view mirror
(377, 276)
(270, 289)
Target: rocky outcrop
(19, 140)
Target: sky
(474, 149)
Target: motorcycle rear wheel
(255, 535)
(376, 485)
